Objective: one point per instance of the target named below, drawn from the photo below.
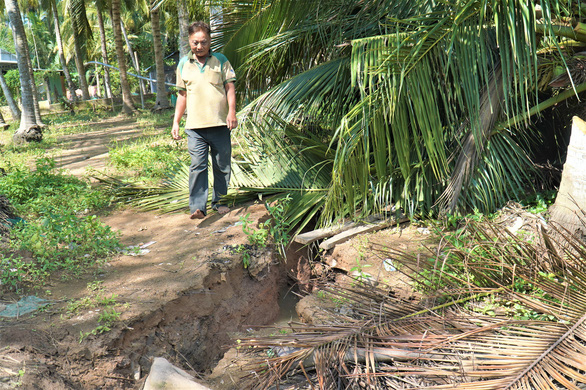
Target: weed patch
(273, 229)
(57, 232)
(100, 300)
(148, 159)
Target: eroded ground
(182, 298)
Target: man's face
(199, 42)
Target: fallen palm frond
(535, 340)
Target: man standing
(205, 81)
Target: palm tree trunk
(127, 104)
(162, 102)
(570, 203)
(29, 129)
(3, 124)
(133, 56)
(98, 84)
(48, 91)
(14, 110)
(183, 18)
(68, 79)
(35, 95)
(80, 66)
(107, 84)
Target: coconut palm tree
(81, 32)
(35, 95)
(162, 100)
(183, 24)
(100, 6)
(52, 6)
(127, 103)
(30, 127)
(132, 53)
(423, 104)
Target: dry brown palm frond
(537, 341)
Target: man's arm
(179, 111)
(231, 120)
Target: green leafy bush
(33, 192)
(56, 233)
(65, 241)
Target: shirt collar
(191, 55)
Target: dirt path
(181, 298)
(90, 149)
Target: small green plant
(358, 271)
(278, 228)
(32, 192)
(105, 320)
(97, 299)
(257, 239)
(539, 203)
(56, 233)
(273, 229)
(246, 255)
(61, 242)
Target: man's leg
(221, 152)
(198, 173)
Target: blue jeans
(214, 141)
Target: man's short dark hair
(199, 26)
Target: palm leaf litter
(501, 311)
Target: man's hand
(179, 111)
(231, 121)
(175, 132)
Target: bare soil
(185, 300)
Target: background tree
(139, 8)
(52, 6)
(162, 100)
(81, 33)
(14, 110)
(29, 128)
(3, 124)
(127, 103)
(100, 6)
(183, 24)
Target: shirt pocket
(214, 77)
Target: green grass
(148, 159)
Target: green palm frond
(423, 105)
(77, 16)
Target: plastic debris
(388, 264)
(138, 250)
(24, 306)
(227, 227)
